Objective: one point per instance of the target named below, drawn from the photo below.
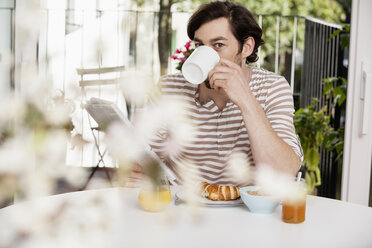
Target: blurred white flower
(17, 154)
(122, 143)
(53, 153)
(136, 87)
(59, 115)
(58, 224)
(77, 141)
(129, 143)
(37, 165)
(75, 176)
(34, 88)
(239, 168)
(190, 182)
(168, 118)
(274, 182)
(36, 183)
(77, 121)
(8, 188)
(13, 107)
(98, 183)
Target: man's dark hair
(242, 23)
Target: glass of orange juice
(155, 195)
(294, 205)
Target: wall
(358, 140)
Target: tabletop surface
(113, 218)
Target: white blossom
(239, 168)
(136, 87)
(274, 182)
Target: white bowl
(257, 203)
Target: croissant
(217, 192)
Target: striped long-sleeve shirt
(221, 133)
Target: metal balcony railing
(321, 58)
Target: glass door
(6, 45)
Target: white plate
(181, 198)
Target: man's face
(217, 34)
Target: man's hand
(231, 78)
(135, 177)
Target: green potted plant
(316, 134)
(313, 126)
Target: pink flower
(188, 44)
(181, 54)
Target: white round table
(113, 218)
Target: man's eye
(219, 45)
(197, 44)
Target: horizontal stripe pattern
(222, 132)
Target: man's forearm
(267, 147)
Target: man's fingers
(219, 77)
(218, 69)
(228, 63)
(221, 68)
(219, 84)
(222, 71)
(133, 183)
(134, 180)
(136, 167)
(136, 175)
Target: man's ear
(248, 47)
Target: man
(239, 108)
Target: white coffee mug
(202, 60)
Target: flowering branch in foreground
(181, 54)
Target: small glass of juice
(154, 196)
(294, 205)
